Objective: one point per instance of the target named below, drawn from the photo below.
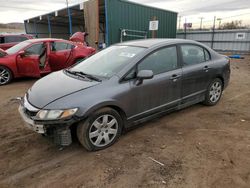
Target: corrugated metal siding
(224, 40)
(127, 15)
(42, 31)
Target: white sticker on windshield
(126, 54)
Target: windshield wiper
(82, 74)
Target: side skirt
(131, 123)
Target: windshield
(108, 62)
(17, 47)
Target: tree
(237, 24)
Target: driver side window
(160, 61)
(60, 46)
(35, 49)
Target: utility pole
(214, 22)
(185, 27)
(179, 23)
(219, 19)
(212, 42)
(70, 20)
(201, 23)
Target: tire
(5, 75)
(100, 130)
(214, 92)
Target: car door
(196, 71)
(28, 62)
(60, 53)
(163, 91)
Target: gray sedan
(121, 86)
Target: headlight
(55, 114)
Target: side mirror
(21, 53)
(143, 75)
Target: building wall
(223, 40)
(127, 15)
(116, 15)
(42, 30)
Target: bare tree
(237, 24)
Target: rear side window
(10, 39)
(161, 61)
(59, 46)
(35, 49)
(193, 54)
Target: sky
(188, 10)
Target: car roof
(147, 43)
(46, 39)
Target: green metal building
(106, 21)
(128, 15)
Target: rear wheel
(5, 75)
(214, 92)
(100, 130)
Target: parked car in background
(123, 85)
(36, 57)
(9, 40)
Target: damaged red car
(37, 57)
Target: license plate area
(37, 128)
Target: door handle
(206, 68)
(175, 77)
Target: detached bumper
(59, 129)
(29, 123)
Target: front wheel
(214, 92)
(100, 130)
(5, 75)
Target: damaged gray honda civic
(123, 85)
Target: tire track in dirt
(39, 167)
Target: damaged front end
(58, 129)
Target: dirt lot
(199, 147)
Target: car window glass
(192, 54)
(35, 49)
(9, 39)
(131, 74)
(58, 46)
(109, 61)
(160, 61)
(207, 55)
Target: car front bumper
(29, 123)
(58, 129)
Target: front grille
(29, 113)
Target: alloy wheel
(103, 130)
(4, 76)
(215, 92)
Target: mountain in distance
(14, 27)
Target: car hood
(55, 86)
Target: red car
(36, 57)
(9, 40)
